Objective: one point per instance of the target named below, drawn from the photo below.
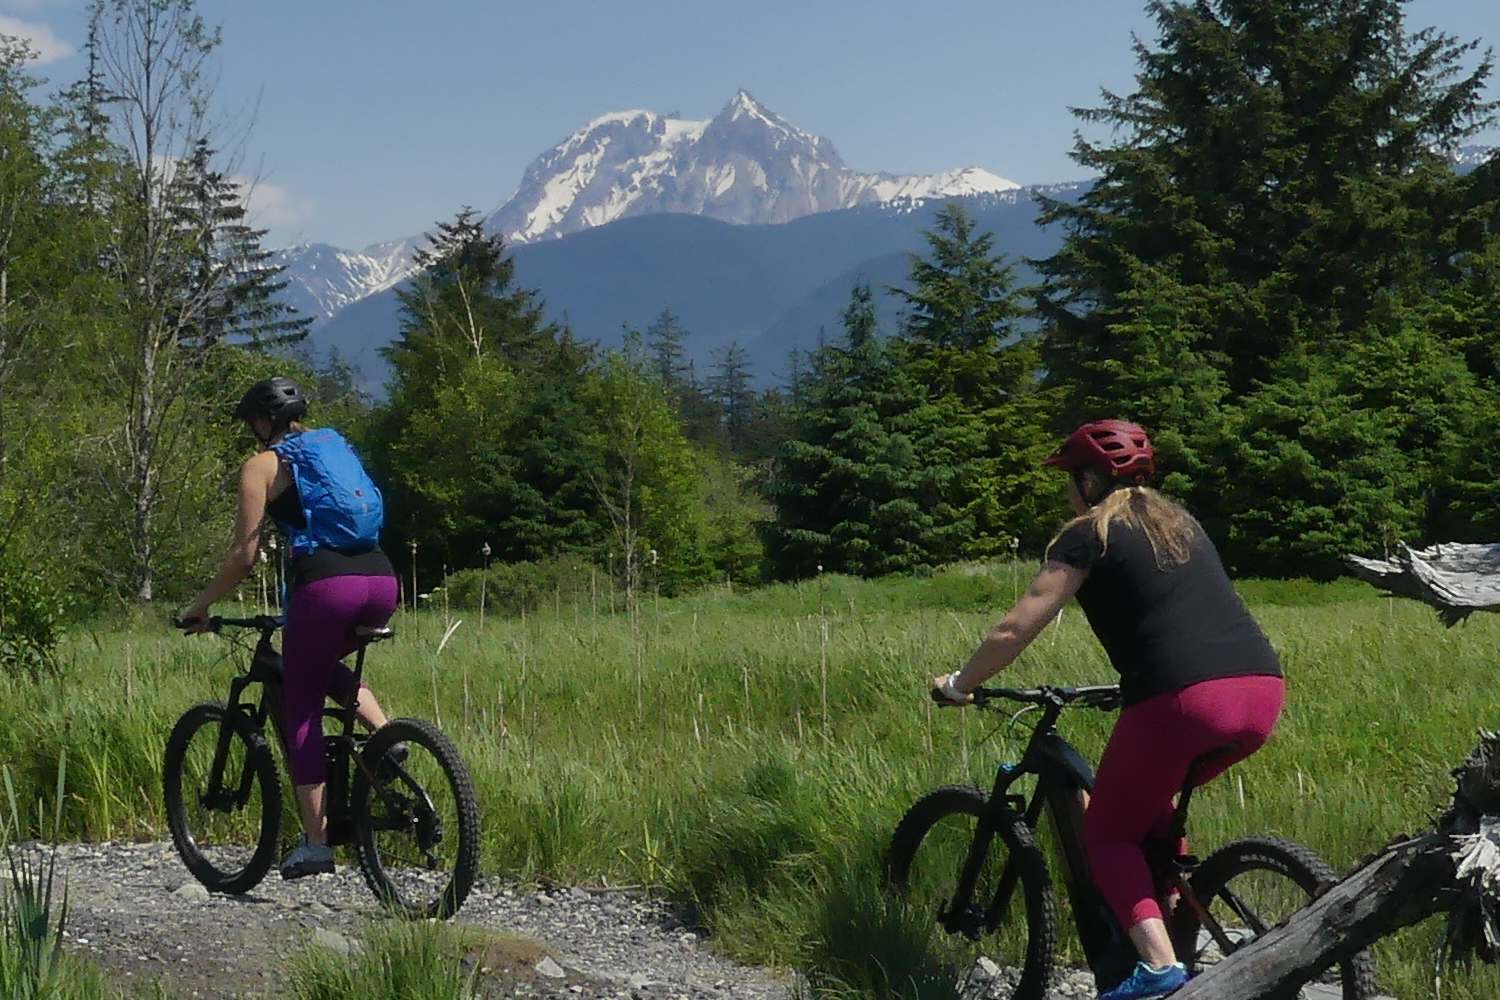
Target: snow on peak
(745, 165)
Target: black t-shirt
(286, 510)
(1163, 628)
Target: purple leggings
(1146, 764)
(320, 622)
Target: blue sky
(371, 119)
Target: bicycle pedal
(1186, 864)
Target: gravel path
(137, 911)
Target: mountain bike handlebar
(1105, 697)
(260, 623)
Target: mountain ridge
(747, 165)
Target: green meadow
(747, 753)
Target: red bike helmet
(1117, 449)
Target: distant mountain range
(771, 288)
(749, 228)
(746, 166)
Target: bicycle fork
(215, 795)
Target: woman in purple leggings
(332, 590)
(1197, 675)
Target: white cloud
(272, 206)
(48, 45)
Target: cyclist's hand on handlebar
(945, 694)
(193, 620)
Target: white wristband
(950, 688)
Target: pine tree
(861, 485)
(484, 438)
(1279, 190)
(730, 390)
(977, 374)
(243, 304)
(666, 341)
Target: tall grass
(412, 961)
(712, 773)
(33, 916)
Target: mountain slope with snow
(746, 165)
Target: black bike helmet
(278, 399)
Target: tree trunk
(1403, 885)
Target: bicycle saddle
(370, 633)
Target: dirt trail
(137, 911)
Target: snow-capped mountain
(322, 280)
(745, 165)
(1468, 158)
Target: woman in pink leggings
(332, 590)
(1198, 676)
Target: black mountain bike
(972, 860)
(410, 816)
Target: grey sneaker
(308, 859)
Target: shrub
(31, 623)
(510, 587)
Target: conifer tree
(977, 375)
(860, 485)
(242, 305)
(1278, 194)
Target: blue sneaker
(1146, 983)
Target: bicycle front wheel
(416, 820)
(1005, 946)
(224, 818)
(1247, 888)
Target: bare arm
(256, 478)
(1050, 589)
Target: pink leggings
(1145, 766)
(320, 622)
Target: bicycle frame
(1064, 776)
(341, 747)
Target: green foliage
(482, 440)
(927, 448)
(510, 588)
(849, 484)
(410, 960)
(1269, 227)
(32, 615)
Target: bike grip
(942, 699)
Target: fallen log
(1454, 868)
(1456, 579)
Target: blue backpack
(342, 507)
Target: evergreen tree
(666, 340)
(861, 486)
(242, 304)
(483, 439)
(730, 390)
(977, 374)
(1278, 192)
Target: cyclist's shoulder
(261, 465)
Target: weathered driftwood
(1455, 868)
(1454, 578)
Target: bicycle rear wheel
(1012, 919)
(1250, 886)
(416, 822)
(226, 830)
